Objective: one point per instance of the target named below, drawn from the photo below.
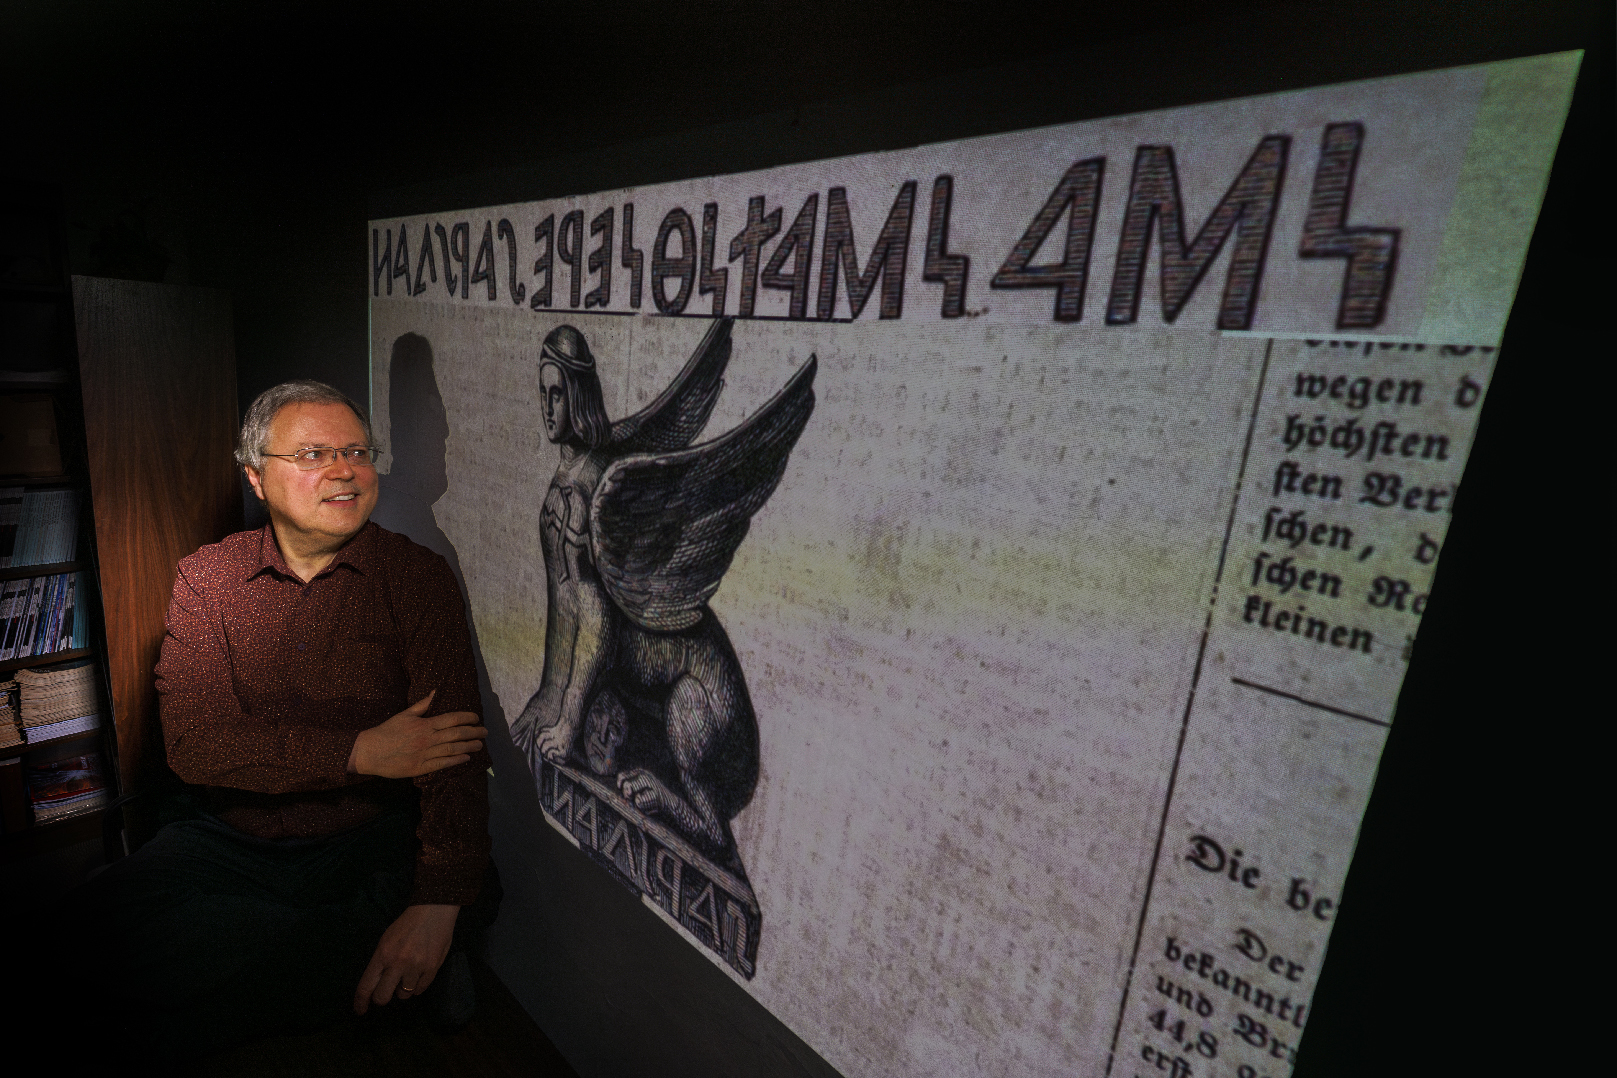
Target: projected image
(642, 730)
(1029, 673)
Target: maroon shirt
(265, 681)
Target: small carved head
(574, 409)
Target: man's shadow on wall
(419, 433)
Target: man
(316, 680)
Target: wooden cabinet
(158, 369)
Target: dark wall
(249, 154)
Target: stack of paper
(59, 700)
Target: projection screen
(964, 590)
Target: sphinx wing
(679, 413)
(664, 527)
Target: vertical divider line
(1190, 700)
(627, 406)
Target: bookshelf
(45, 660)
(141, 379)
(43, 448)
(70, 739)
(22, 572)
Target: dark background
(244, 147)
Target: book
(30, 621)
(66, 638)
(47, 608)
(63, 527)
(47, 603)
(59, 788)
(81, 617)
(13, 624)
(67, 547)
(47, 528)
(55, 606)
(8, 608)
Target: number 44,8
(1204, 1042)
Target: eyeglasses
(314, 458)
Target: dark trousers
(209, 937)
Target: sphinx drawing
(642, 696)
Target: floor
(501, 1041)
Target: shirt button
(300, 647)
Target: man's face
(553, 387)
(321, 506)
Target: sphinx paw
(554, 743)
(643, 790)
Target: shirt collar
(357, 553)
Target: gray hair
(254, 441)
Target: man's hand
(408, 956)
(410, 745)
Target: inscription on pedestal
(714, 905)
